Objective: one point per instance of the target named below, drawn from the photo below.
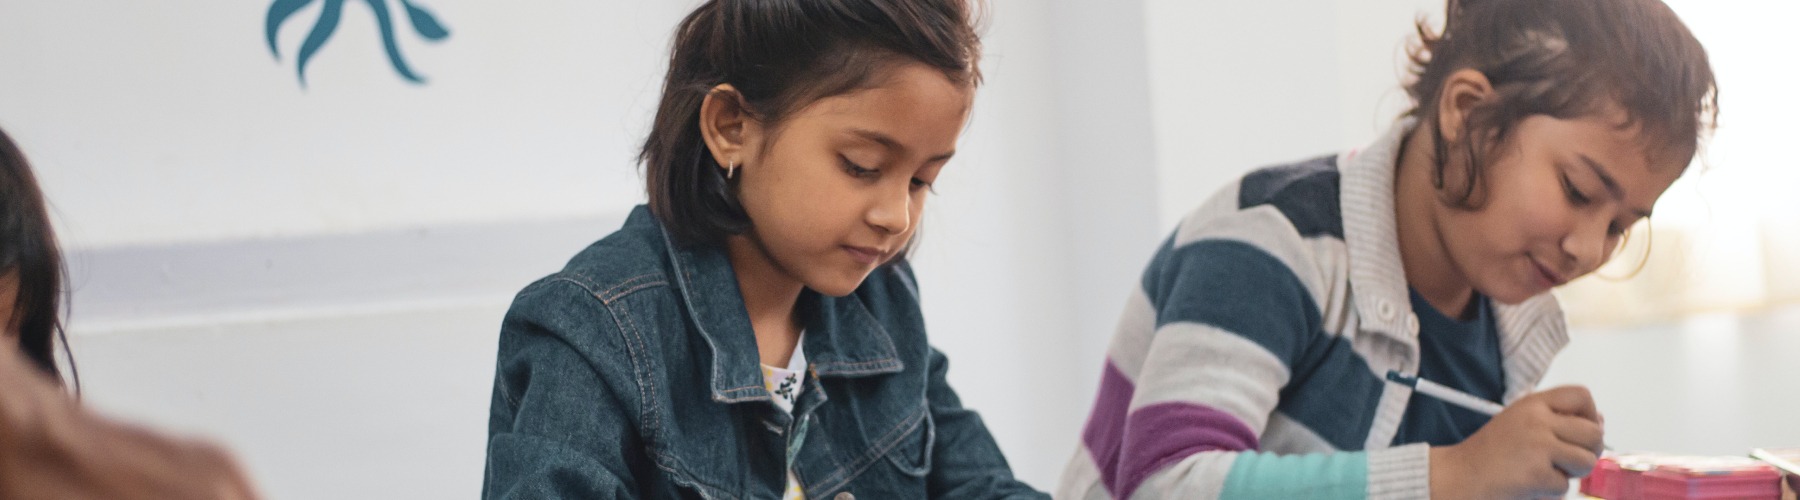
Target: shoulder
(1298, 200)
(1290, 211)
(1306, 193)
(1277, 233)
(632, 259)
(589, 304)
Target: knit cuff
(1401, 472)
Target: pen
(1448, 395)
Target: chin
(838, 285)
(1512, 295)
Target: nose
(891, 213)
(1590, 243)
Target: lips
(1546, 276)
(864, 255)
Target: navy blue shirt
(1464, 355)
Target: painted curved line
(328, 22)
(386, 21)
(423, 22)
(278, 14)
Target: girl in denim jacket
(754, 332)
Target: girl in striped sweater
(1253, 361)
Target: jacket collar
(1531, 332)
(842, 337)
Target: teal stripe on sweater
(1343, 475)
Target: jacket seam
(647, 388)
(630, 286)
(882, 447)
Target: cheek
(1497, 233)
(1528, 211)
(1542, 222)
(783, 182)
(796, 203)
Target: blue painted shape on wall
(423, 22)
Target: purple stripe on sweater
(1162, 434)
(1105, 429)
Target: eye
(920, 184)
(1575, 195)
(858, 171)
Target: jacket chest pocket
(885, 458)
(911, 454)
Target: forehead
(1630, 156)
(916, 104)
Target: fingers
(1586, 434)
(1550, 482)
(1572, 461)
(1571, 400)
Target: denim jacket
(634, 372)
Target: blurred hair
(28, 247)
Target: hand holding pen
(1531, 448)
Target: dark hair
(1565, 59)
(29, 247)
(781, 55)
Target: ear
(1461, 92)
(728, 126)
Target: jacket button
(844, 495)
(1385, 309)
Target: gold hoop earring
(1643, 260)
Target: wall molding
(133, 288)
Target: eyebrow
(1612, 186)
(888, 142)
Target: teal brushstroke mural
(422, 21)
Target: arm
(967, 461)
(1230, 323)
(51, 447)
(556, 428)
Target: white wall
(1241, 85)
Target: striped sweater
(1251, 361)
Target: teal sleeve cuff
(1343, 475)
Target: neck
(770, 296)
(1423, 255)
